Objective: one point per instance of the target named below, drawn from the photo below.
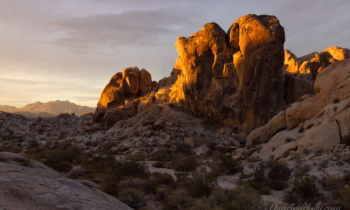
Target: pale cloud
(69, 49)
(133, 28)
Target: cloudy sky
(69, 49)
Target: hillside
(48, 109)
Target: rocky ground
(165, 140)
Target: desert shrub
(60, 160)
(136, 157)
(346, 178)
(156, 180)
(158, 164)
(131, 169)
(188, 163)
(162, 178)
(10, 149)
(278, 175)
(64, 145)
(229, 165)
(75, 173)
(88, 143)
(278, 184)
(333, 184)
(259, 172)
(323, 164)
(303, 189)
(181, 176)
(278, 171)
(183, 148)
(164, 154)
(251, 158)
(200, 184)
(33, 144)
(109, 184)
(301, 170)
(137, 183)
(244, 198)
(177, 199)
(344, 194)
(259, 181)
(131, 197)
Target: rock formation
(234, 78)
(257, 44)
(300, 73)
(119, 99)
(27, 184)
(316, 123)
(242, 78)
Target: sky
(69, 49)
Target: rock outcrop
(257, 44)
(27, 184)
(316, 123)
(242, 78)
(234, 78)
(300, 73)
(119, 99)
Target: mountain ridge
(48, 108)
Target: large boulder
(331, 89)
(201, 59)
(300, 73)
(331, 86)
(320, 133)
(27, 184)
(257, 43)
(233, 78)
(117, 101)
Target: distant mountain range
(48, 109)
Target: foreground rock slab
(29, 185)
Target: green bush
(136, 157)
(131, 169)
(109, 184)
(241, 198)
(162, 178)
(229, 165)
(345, 196)
(33, 144)
(158, 164)
(181, 176)
(302, 189)
(60, 160)
(259, 181)
(278, 174)
(177, 199)
(200, 184)
(131, 197)
(187, 164)
(10, 149)
(333, 184)
(278, 171)
(163, 154)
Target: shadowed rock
(27, 184)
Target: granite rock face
(27, 184)
(300, 73)
(257, 43)
(234, 78)
(117, 100)
(331, 87)
(242, 78)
